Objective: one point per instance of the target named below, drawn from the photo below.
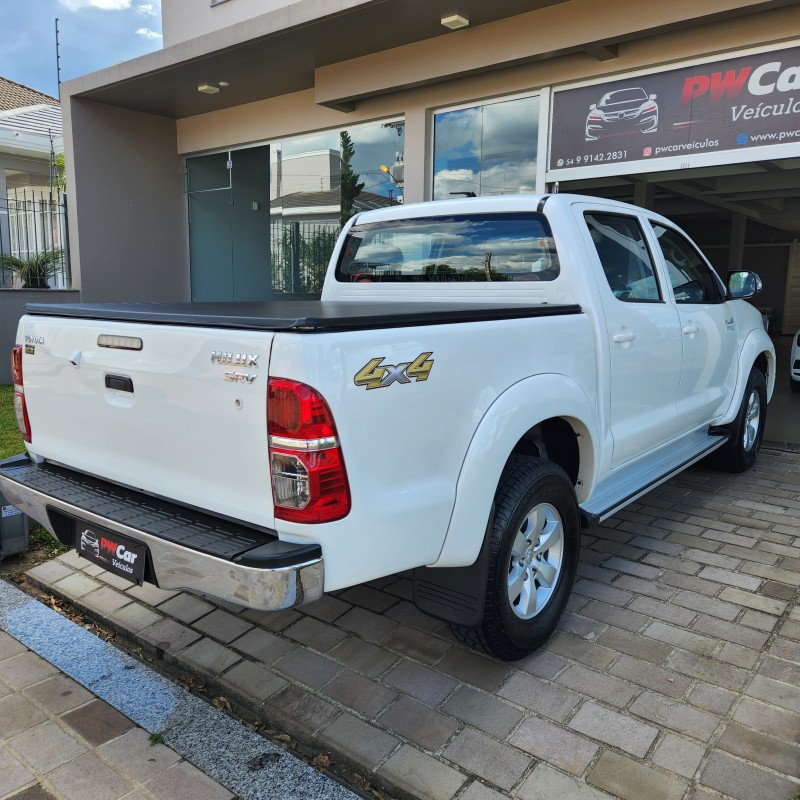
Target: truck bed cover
(300, 316)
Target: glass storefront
(487, 149)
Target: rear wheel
(747, 430)
(533, 554)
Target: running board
(626, 484)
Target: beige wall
(300, 112)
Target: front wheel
(533, 555)
(747, 430)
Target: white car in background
(794, 364)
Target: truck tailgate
(178, 412)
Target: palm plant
(34, 270)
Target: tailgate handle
(121, 383)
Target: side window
(693, 281)
(624, 256)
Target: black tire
(795, 385)
(747, 430)
(534, 496)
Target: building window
(487, 149)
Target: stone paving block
(778, 591)
(748, 554)
(745, 781)
(46, 746)
(613, 615)
(418, 723)
(150, 594)
(207, 656)
(222, 626)
(708, 605)
(666, 612)
(775, 692)
(420, 682)
(483, 711)
(471, 667)
(780, 574)
(678, 755)
(546, 783)
(730, 631)
(759, 620)
(599, 591)
(422, 776)
(711, 698)
(10, 647)
(636, 645)
(75, 585)
(263, 645)
(58, 694)
(25, 669)
(272, 620)
(631, 780)
(674, 564)
(137, 756)
(169, 636)
(297, 710)
(729, 578)
(358, 741)
(554, 744)
(18, 714)
(681, 638)
(359, 693)
(408, 614)
(767, 719)
(72, 559)
(497, 763)
(480, 791)
(615, 729)
(542, 663)
(707, 669)
(780, 670)
(635, 568)
(690, 583)
(13, 775)
(581, 627)
(639, 586)
(88, 778)
(367, 597)
(315, 634)
(306, 667)
(186, 607)
(766, 750)
(97, 722)
(601, 686)
(252, 681)
(712, 559)
(49, 572)
(670, 713)
(327, 608)
(416, 644)
(183, 781)
(738, 656)
(134, 618)
(105, 601)
(645, 674)
(116, 581)
(540, 697)
(590, 653)
(366, 624)
(364, 657)
(754, 601)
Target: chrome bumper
(179, 567)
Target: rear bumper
(188, 549)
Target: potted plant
(34, 271)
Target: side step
(628, 483)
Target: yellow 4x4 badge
(377, 375)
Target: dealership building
(220, 167)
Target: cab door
(643, 336)
(708, 330)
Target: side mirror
(653, 96)
(593, 106)
(742, 285)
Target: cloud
(148, 34)
(149, 9)
(103, 5)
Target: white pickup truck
(480, 379)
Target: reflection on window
(474, 248)
(316, 184)
(486, 150)
(692, 279)
(624, 257)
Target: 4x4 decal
(377, 375)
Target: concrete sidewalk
(675, 674)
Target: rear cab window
(463, 248)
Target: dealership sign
(736, 104)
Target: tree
(349, 185)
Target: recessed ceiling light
(223, 84)
(207, 88)
(455, 22)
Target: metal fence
(300, 255)
(34, 243)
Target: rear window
(475, 248)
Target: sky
(93, 34)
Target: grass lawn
(10, 438)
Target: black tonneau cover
(305, 316)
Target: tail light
(20, 409)
(309, 482)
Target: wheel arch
(759, 352)
(548, 416)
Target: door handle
(622, 338)
(689, 330)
